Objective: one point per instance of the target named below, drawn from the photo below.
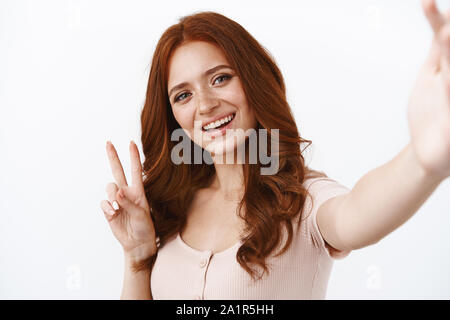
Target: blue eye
(184, 95)
(225, 76)
(177, 98)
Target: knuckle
(111, 186)
(121, 195)
(104, 204)
(111, 189)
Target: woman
(224, 230)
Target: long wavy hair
(270, 202)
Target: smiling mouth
(220, 126)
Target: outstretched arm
(387, 196)
(380, 202)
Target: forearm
(384, 199)
(136, 284)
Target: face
(207, 97)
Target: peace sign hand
(130, 221)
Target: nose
(206, 101)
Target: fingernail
(115, 205)
(111, 212)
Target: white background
(73, 74)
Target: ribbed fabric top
(302, 272)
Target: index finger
(136, 166)
(116, 166)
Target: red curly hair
(270, 201)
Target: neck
(229, 180)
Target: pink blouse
(302, 272)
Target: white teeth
(217, 123)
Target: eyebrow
(207, 72)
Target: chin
(224, 149)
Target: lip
(219, 132)
(223, 115)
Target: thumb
(434, 16)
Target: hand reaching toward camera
(429, 105)
(130, 221)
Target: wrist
(425, 172)
(139, 263)
(141, 252)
